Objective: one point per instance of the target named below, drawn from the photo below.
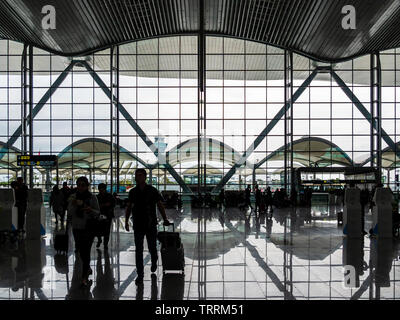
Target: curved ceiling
(310, 27)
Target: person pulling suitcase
(142, 202)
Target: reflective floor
(229, 254)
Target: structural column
(201, 126)
(27, 108)
(114, 119)
(30, 113)
(288, 156)
(116, 116)
(25, 105)
(376, 116)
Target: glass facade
(156, 82)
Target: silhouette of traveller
(142, 203)
(258, 199)
(222, 201)
(83, 210)
(107, 204)
(21, 200)
(57, 203)
(247, 196)
(66, 191)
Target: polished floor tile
(228, 255)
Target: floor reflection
(295, 253)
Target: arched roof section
(389, 157)
(310, 151)
(310, 27)
(93, 152)
(187, 152)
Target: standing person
(57, 203)
(257, 192)
(364, 195)
(66, 191)
(83, 209)
(293, 196)
(268, 199)
(21, 201)
(118, 201)
(372, 203)
(222, 198)
(142, 203)
(107, 205)
(247, 197)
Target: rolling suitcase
(172, 253)
(61, 242)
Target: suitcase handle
(171, 224)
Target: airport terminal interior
(210, 97)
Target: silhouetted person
(221, 197)
(268, 199)
(247, 227)
(372, 203)
(83, 210)
(293, 196)
(174, 200)
(257, 192)
(395, 223)
(283, 197)
(57, 204)
(275, 199)
(21, 200)
(118, 201)
(143, 200)
(364, 199)
(107, 205)
(269, 227)
(247, 197)
(208, 200)
(308, 196)
(14, 186)
(66, 191)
